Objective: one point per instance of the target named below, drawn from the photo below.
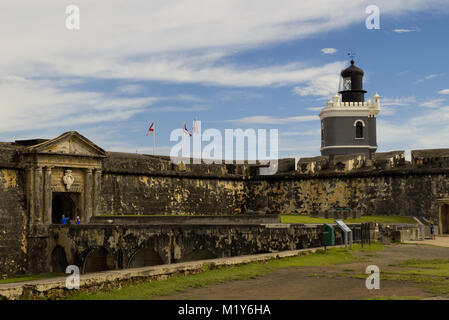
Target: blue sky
(233, 64)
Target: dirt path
(441, 241)
(298, 283)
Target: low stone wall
(229, 220)
(95, 247)
(399, 232)
(55, 288)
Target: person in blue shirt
(64, 219)
(432, 230)
(78, 220)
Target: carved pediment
(69, 143)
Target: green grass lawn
(296, 218)
(151, 290)
(433, 274)
(32, 277)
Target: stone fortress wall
(384, 185)
(133, 184)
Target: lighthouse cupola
(352, 84)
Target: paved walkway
(441, 241)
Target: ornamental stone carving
(68, 179)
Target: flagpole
(154, 142)
(184, 140)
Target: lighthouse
(348, 122)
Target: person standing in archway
(432, 230)
(64, 219)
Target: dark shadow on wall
(145, 257)
(58, 260)
(98, 260)
(202, 254)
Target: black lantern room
(352, 90)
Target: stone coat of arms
(68, 179)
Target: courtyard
(407, 271)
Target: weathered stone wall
(178, 243)
(12, 223)
(143, 184)
(145, 194)
(410, 192)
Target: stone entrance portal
(444, 215)
(444, 218)
(63, 177)
(67, 204)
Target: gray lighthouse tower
(348, 123)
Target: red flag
(151, 129)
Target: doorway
(98, 260)
(58, 260)
(64, 203)
(444, 218)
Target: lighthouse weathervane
(348, 122)
(351, 55)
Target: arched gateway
(63, 177)
(443, 216)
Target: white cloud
(388, 104)
(273, 120)
(432, 117)
(131, 89)
(301, 133)
(389, 133)
(444, 91)
(393, 101)
(113, 41)
(430, 76)
(315, 109)
(157, 109)
(404, 30)
(323, 86)
(415, 133)
(49, 106)
(162, 40)
(435, 103)
(329, 50)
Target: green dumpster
(328, 235)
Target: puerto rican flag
(186, 131)
(151, 129)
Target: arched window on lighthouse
(359, 124)
(322, 133)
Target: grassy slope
(150, 290)
(433, 274)
(289, 218)
(32, 277)
(297, 218)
